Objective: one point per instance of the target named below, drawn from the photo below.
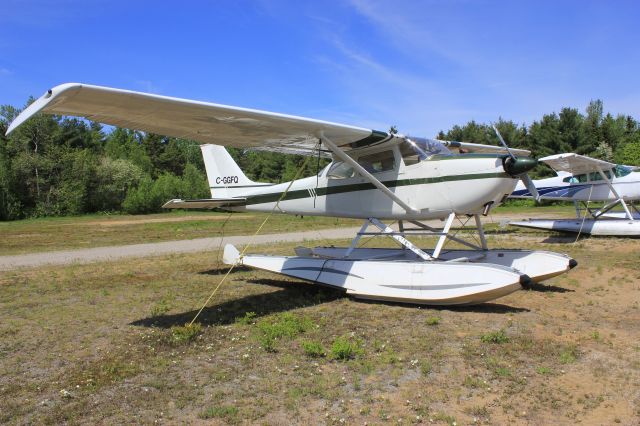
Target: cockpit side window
(378, 162)
(340, 170)
(431, 147)
(594, 176)
(410, 153)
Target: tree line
(54, 166)
(612, 138)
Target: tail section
(226, 180)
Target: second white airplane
(584, 180)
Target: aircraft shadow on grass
(223, 270)
(486, 307)
(542, 288)
(564, 238)
(292, 295)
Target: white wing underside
(200, 121)
(576, 164)
(206, 122)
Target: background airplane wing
(480, 148)
(200, 121)
(576, 164)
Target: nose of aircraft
(518, 166)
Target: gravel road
(101, 254)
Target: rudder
(225, 177)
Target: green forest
(56, 166)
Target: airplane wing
(207, 203)
(576, 164)
(200, 121)
(310, 152)
(478, 148)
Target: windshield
(425, 148)
(620, 171)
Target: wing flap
(478, 148)
(200, 121)
(207, 203)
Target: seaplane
(584, 180)
(375, 176)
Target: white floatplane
(583, 180)
(373, 176)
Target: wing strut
(365, 174)
(620, 199)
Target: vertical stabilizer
(225, 178)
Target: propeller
(519, 167)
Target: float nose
(517, 166)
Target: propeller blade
(504, 144)
(528, 183)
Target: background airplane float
(373, 176)
(583, 180)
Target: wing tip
(41, 103)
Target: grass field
(35, 235)
(47, 234)
(106, 343)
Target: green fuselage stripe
(365, 186)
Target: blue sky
(421, 65)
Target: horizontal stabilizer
(206, 203)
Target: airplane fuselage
(463, 184)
